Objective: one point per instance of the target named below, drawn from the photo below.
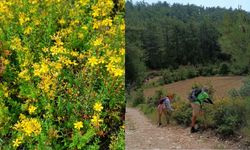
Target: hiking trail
(142, 134)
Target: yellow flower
(16, 142)
(107, 22)
(28, 126)
(122, 27)
(62, 21)
(96, 120)
(32, 109)
(114, 59)
(84, 27)
(22, 116)
(80, 35)
(84, 2)
(98, 106)
(110, 67)
(16, 43)
(37, 22)
(92, 61)
(58, 66)
(118, 72)
(28, 30)
(98, 42)
(78, 125)
(122, 51)
(23, 18)
(24, 75)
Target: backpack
(194, 94)
(162, 100)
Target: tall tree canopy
(161, 35)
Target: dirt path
(142, 134)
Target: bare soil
(142, 134)
(221, 85)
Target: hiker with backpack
(164, 106)
(198, 97)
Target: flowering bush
(62, 73)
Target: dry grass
(222, 86)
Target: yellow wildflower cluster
(102, 8)
(24, 75)
(28, 126)
(60, 52)
(96, 117)
(5, 90)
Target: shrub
(234, 93)
(146, 109)
(167, 76)
(182, 112)
(245, 89)
(224, 69)
(229, 116)
(139, 97)
(62, 85)
(161, 81)
(191, 72)
(117, 141)
(182, 73)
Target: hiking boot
(193, 130)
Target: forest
(163, 36)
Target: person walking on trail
(198, 97)
(164, 106)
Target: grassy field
(221, 85)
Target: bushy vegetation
(224, 69)
(226, 117)
(188, 72)
(245, 89)
(62, 74)
(162, 36)
(182, 112)
(139, 97)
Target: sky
(245, 4)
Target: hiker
(164, 106)
(198, 97)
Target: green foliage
(229, 116)
(191, 72)
(173, 35)
(235, 40)
(139, 97)
(80, 141)
(224, 69)
(245, 89)
(135, 67)
(61, 73)
(182, 73)
(118, 142)
(158, 95)
(146, 109)
(182, 112)
(167, 76)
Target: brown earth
(221, 85)
(142, 134)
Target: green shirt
(201, 97)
